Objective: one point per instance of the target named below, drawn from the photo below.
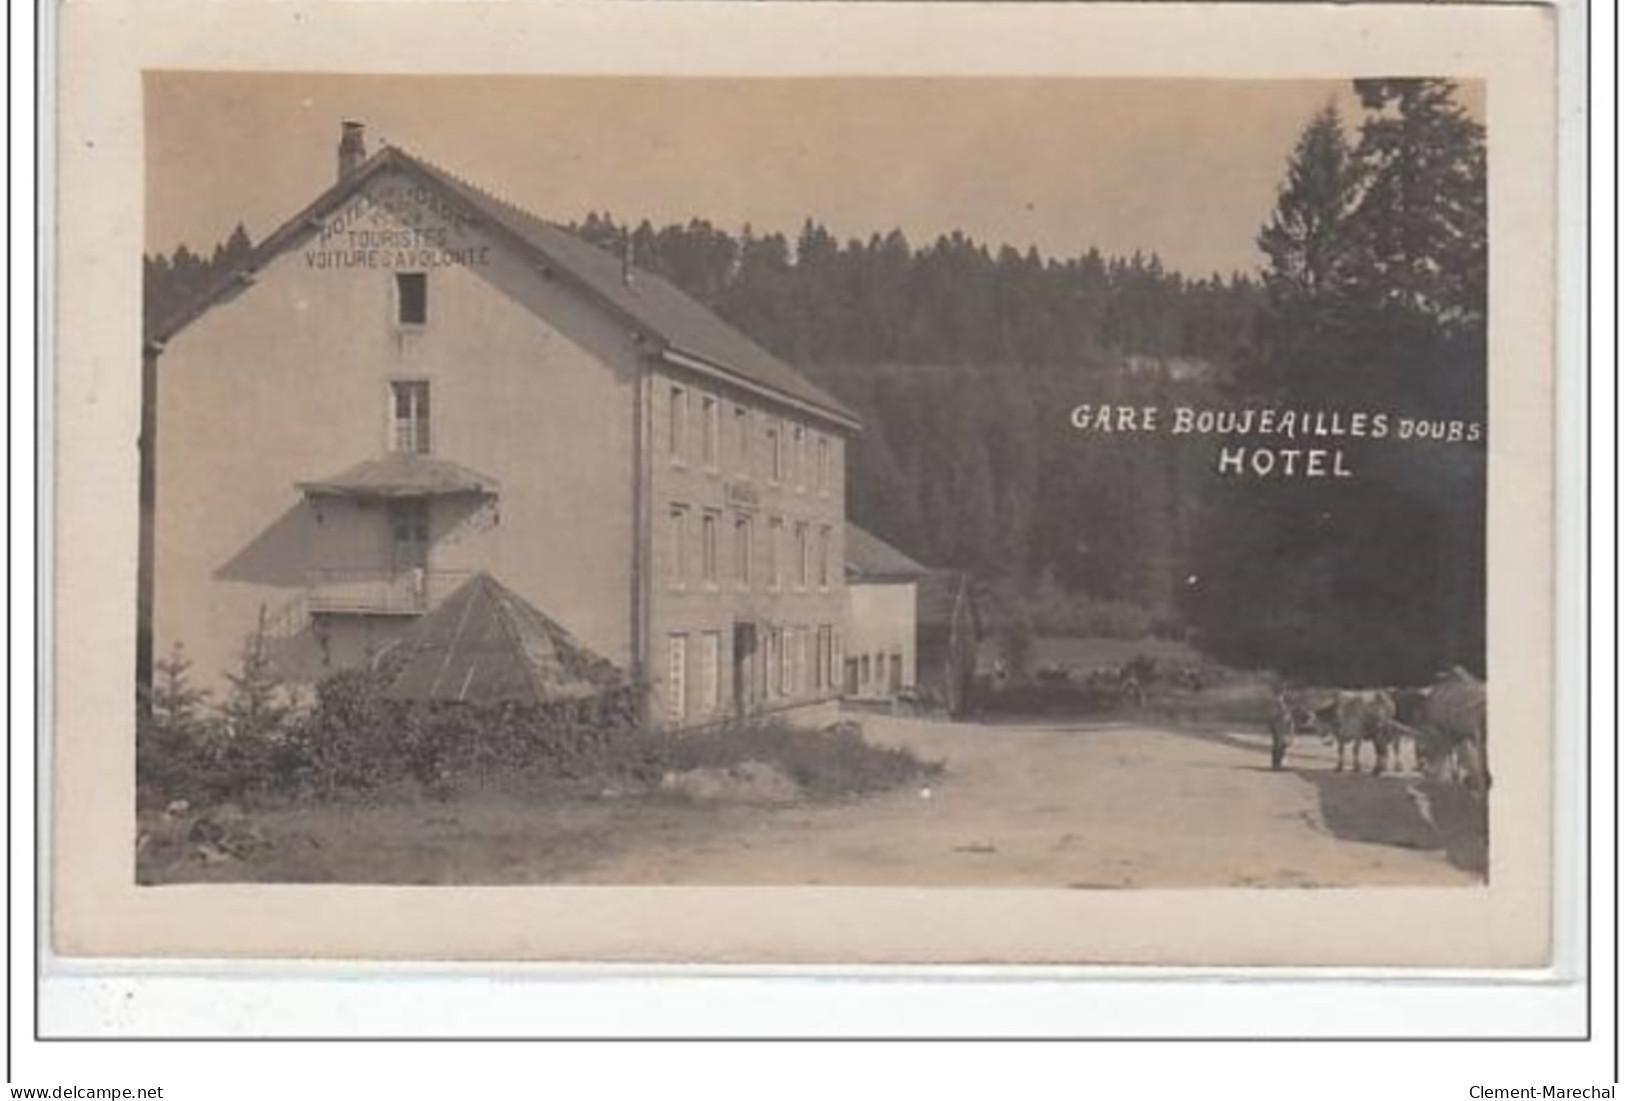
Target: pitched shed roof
(486, 644)
(686, 330)
(403, 474)
(870, 558)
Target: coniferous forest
(964, 359)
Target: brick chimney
(352, 147)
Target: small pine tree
(170, 735)
(176, 704)
(257, 705)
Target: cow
(1409, 707)
(1366, 716)
(1453, 721)
(1313, 709)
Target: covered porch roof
(402, 474)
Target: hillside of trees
(964, 357)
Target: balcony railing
(379, 592)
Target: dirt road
(1098, 805)
(1078, 805)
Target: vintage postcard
(734, 515)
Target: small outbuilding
(881, 620)
(486, 644)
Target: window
(708, 548)
(823, 465)
(826, 657)
(864, 669)
(742, 438)
(775, 552)
(798, 455)
(743, 549)
(711, 672)
(770, 662)
(676, 423)
(775, 454)
(677, 678)
(710, 430)
(823, 557)
(802, 551)
(787, 670)
(677, 538)
(411, 298)
(409, 416)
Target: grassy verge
(550, 813)
(825, 763)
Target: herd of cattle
(1444, 723)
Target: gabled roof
(683, 330)
(870, 558)
(486, 644)
(403, 474)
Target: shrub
(344, 743)
(354, 738)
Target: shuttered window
(677, 548)
(744, 549)
(677, 424)
(677, 678)
(711, 671)
(708, 548)
(742, 440)
(710, 431)
(775, 552)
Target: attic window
(411, 298)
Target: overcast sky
(1186, 169)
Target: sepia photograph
(999, 482)
(805, 521)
